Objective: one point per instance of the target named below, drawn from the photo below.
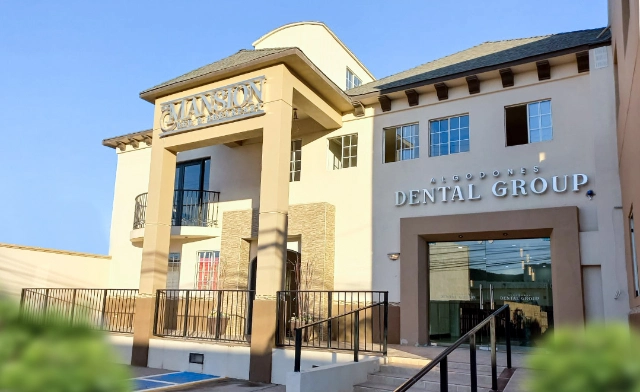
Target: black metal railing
(107, 309)
(327, 319)
(190, 208)
(352, 322)
(441, 359)
(222, 315)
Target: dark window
(401, 143)
(193, 175)
(528, 123)
(343, 151)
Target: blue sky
(71, 71)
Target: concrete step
(374, 387)
(410, 370)
(431, 381)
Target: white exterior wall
(321, 46)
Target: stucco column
(414, 286)
(155, 251)
(272, 233)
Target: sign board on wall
(223, 104)
(461, 188)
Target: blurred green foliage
(52, 356)
(598, 358)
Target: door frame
(560, 224)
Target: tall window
(192, 178)
(401, 143)
(634, 257)
(173, 271)
(449, 135)
(343, 151)
(352, 80)
(296, 160)
(193, 175)
(529, 123)
(207, 270)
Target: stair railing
(471, 336)
(351, 342)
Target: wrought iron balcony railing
(190, 208)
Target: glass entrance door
(468, 280)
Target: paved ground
(220, 385)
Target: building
(486, 177)
(623, 19)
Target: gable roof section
(486, 56)
(241, 57)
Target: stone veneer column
(272, 233)
(155, 251)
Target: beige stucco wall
(628, 98)
(132, 179)
(583, 142)
(322, 47)
(31, 267)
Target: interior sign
(229, 103)
(501, 187)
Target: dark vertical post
(46, 303)
(280, 322)
(104, 308)
(507, 333)
(329, 311)
(73, 306)
(494, 369)
(298, 350)
(356, 336)
(386, 323)
(155, 313)
(444, 375)
(218, 315)
(472, 363)
(22, 295)
(185, 323)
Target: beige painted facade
(625, 28)
(346, 222)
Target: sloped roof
(241, 57)
(488, 54)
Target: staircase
(398, 370)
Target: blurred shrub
(51, 356)
(599, 359)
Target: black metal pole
(73, 306)
(46, 304)
(329, 312)
(472, 363)
(218, 315)
(444, 375)
(104, 307)
(298, 350)
(185, 323)
(356, 334)
(494, 368)
(508, 335)
(155, 314)
(386, 323)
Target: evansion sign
(229, 103)
(500, 187)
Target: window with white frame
(296, 160)
(352, 80)
(343, 151)
(401, 143)
(529, 123)
(173, 271)
(449, 135)
(634, 256)
(207, 270)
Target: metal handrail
(471, 335)
(191, 207)
(356, 329)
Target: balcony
(194, 216)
